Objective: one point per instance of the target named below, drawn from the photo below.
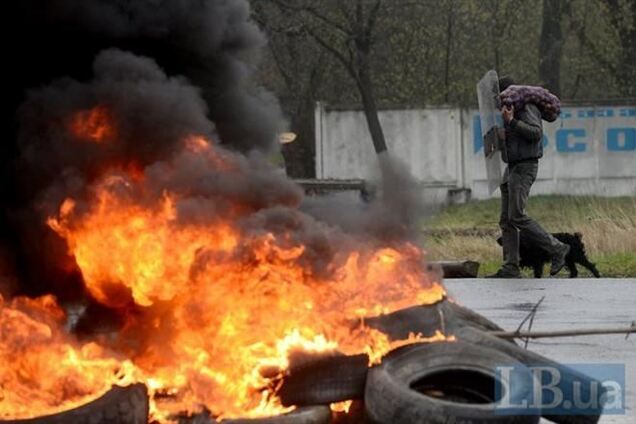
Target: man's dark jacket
(524, 136)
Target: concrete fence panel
(587, 151)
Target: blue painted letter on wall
(562, 140)
(621, 139)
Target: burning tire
(326, 380)
(424, 319)
(458, 316)
(439, 383)
(307, 415)
(568, 375)
(445, 316)
(120, 405)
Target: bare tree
(623, 19)
(347, 30)
(422, 52)
(296, 69)
(551, 44)
(450, 21)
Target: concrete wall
(589, 150)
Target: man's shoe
(502, 273)
(558, 260)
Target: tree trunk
(299, 155)
(625, 22)
(449, 44)
(551, 46)
(370, 109)
(629, 56)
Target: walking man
(522, 150)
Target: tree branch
(348, 64)
(313, 12)
(373, 16)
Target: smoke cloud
(390, 210)
(159, 73)
(68, 56)
(213, 43)
(137, 190)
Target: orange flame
(344, 406)
(94, 125)
(379, 350)
(42, 370)
(217, 310)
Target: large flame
(212, 312)
(42, 369)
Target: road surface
(568, 304)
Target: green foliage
(556, 213)
(431, 52)
(610, 265)
(618, 265)
(608, 226)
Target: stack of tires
(433, 383)
(451, 382)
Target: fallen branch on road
(563, 333)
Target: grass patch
(608, 226)
(616, 264)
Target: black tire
(457, 316)
(424, 319)
(120, 405)
(467, 396)
(326, 380)
(457, 269)
(445, 316)
(568, 375)
(306, 415)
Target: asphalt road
(568, 304)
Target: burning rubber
(450, 379)
(120, 405)
(151, 245)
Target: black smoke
(390, 208)
(63, 55)
(164, 70)
(211, 42)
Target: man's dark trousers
(515, 190)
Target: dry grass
(605, 233)
(608, 226)
(458, 247)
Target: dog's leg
(538, 270)
(589, 265)
(572, 268)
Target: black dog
(533, 257)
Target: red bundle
(518, 95)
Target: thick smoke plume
(158, 72)
(137, 190)
(61, 44)
(213, 43)
(389, 209)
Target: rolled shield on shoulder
(491, 128)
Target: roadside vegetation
(608, 226)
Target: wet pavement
(569, 304)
